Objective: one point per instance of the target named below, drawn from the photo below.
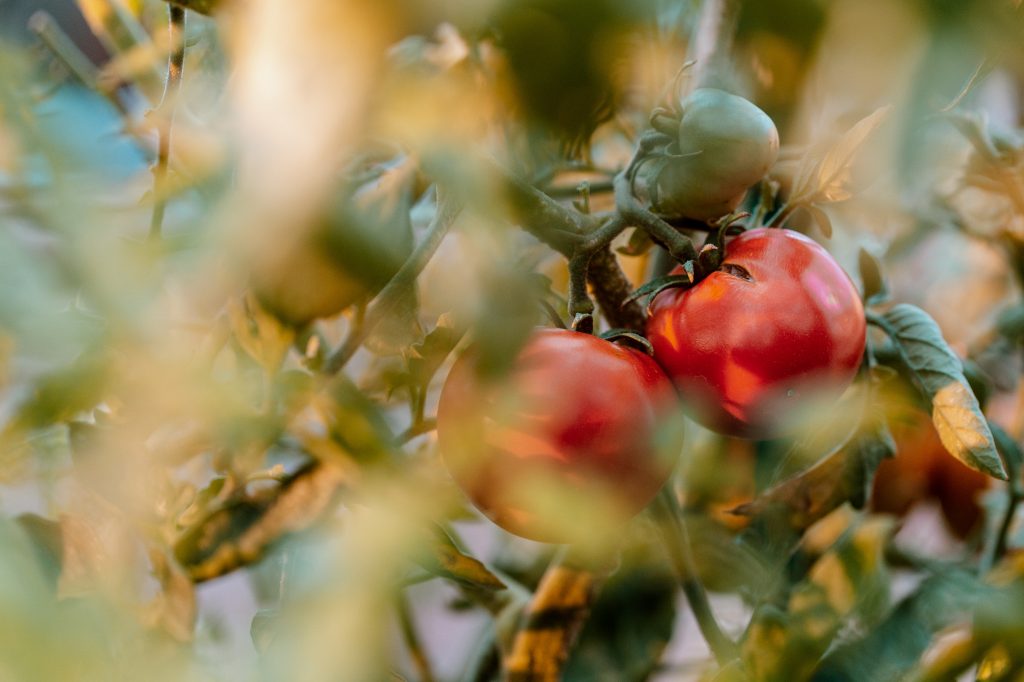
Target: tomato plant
(778, 328)
(308, 309)
(578, 421)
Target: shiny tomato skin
(751, 355)
(577, 418)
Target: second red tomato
(575, 440)
(775, 334)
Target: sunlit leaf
(824, 176)
(937, 373)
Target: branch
(566, 231)
(168, 103)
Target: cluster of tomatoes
(777, 332)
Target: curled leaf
(631, 337)
(824, 175)
(875, 290)
(655, 286)
(821, 219)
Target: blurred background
(190, 489)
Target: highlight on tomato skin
(753, 357)
(573, 442)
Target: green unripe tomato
(726, 145)
(353, 250)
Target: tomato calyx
(628, 337)
(710, 258)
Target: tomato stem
(397, 288)
(674, 534)
(168, 104)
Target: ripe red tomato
(765, 339)
(576, 439)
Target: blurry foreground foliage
(216, 447)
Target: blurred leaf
(821, 219)
(844, 476)
(240, 532)
(426, 357)
(60, 395)
(1010, 452)
(357, 423)
(562, 55)
(45, 536)
(174, 608)
(716, 546)
(849, 582)
(263, 629)
(630, 624)
(875, 290)
(448, 561)
(265, 338)
(824, 176)
(1010, 322)
(886, 652)
(937, 373)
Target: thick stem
(677, 543)
(678, 246)
(175, 66)
(579, 299)
(565, 231)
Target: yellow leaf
(834, 171)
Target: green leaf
(875, 290)
(1010, 322)
(888, 651)
(938, 374)
(820, 218)
(639, 243)
(844, 476)
(629, 626)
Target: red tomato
(576, 437)
(752, 354)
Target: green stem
(677, 542)
(168, 104)
(199, 6)
(397, 287)
(678, 246)
(412, 639)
